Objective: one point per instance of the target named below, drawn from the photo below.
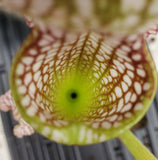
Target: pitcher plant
(86, 72)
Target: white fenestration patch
(113, 110)
(82, 133)
(42, 117)
(138, 106)
(127, 107)
(120, 69)
(20, 69)
(102, 138)
(100, 58)
(128, 115)
(141, 72)
(45, 69)
(59, 136)
(43, 42)
(127, 80)
(33, 52)
(36, 76)
(45, 78)
(124, 86)
(57, 62)
(28, 78)
(112, 118)
(18, 81)
(40, 85)
(63, 122)
(31, 111)
(32, 88)
(45, 49)
(132, 37)
(146, 86)
(116, 124)
(57, 123)
(96, 75)
(37, 66)
(97, 64)
(103, 66)
(40, 57)
(113, 97)
(131, 74)
(120, 118)
(34, 125)
(113, 73)
(46, 130)
(134, 97)
(101, 111)
(121, 52)
(137, 88)
(126, 48)
(25, 101)
(136, 57)
(118, 91)
(104, 114)
(110, 78)
(120, 104)
(22, 89)
(129, 66)
(89, 136)
(95, 136)
(27, 60)
(119, 66)
(95, 125)
(127, 97)
(106, 125)
(137, 45)
(102, 103)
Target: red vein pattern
(118, 70)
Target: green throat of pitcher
(73, 96)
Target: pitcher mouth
(100, 85)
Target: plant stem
(137, 149)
